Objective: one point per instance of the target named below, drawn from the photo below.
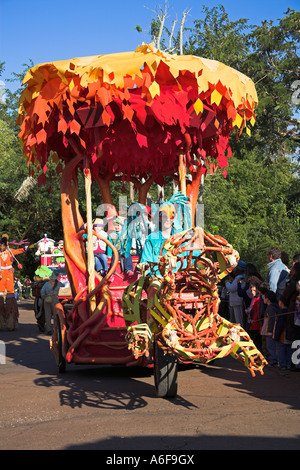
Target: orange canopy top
(139, 96)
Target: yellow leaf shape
(198, 106)
(238, 121)
(154, 89)
(215, 97)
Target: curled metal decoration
(179, 307)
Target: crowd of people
(22, 290)
(268, 309)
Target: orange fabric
(7, 282)
(149, 99)
(6, 260)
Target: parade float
(139, 116)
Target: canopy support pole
(182, 173)
(89, 225)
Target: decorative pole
(89, 226)
(182, 173)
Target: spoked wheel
(165, 373)
(61, 362)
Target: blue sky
(57, 30)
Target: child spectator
(253, 319)
(115, 236)
(100, 247)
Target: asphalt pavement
(115, 409)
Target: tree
(216, 37)
(274, 64)
(164, 36)
(254, 208)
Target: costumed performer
(135, 230)
(173, 217)
(9, 312)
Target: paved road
(115, 408)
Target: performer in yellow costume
(9, 312)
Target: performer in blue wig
(171, 217)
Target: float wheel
(61, 362)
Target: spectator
(262, 288)
(235, 301)
(284, 350)
(271, 311)
(18, 289)
(296, 344)
(285, 258)
(296, 258)
(252, 276)
(27, 284)
(253, 319)
(277, 272)
(289, 299)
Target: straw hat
(98, 223)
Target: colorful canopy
(131, 113)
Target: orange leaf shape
(62, 126)
(41, 136)
(75, 127)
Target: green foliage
(216, 37)
(254, 207)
